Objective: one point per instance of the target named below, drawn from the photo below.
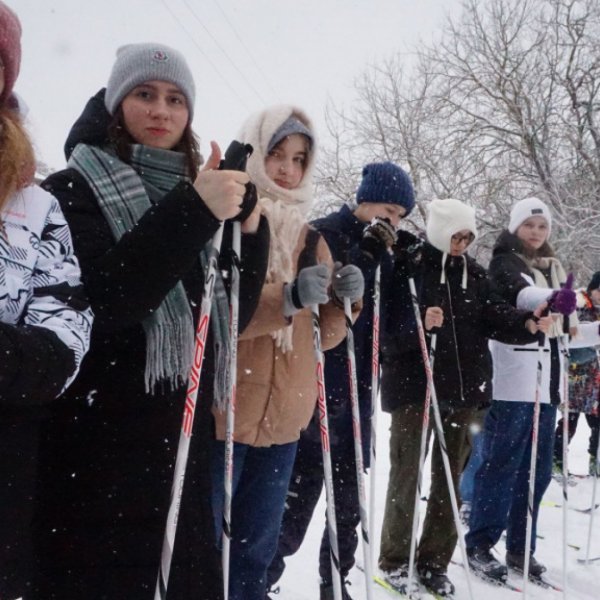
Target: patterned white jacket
(45, 319)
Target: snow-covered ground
(301, 581)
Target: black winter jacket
(110, 448)
(463, 366)
(343, 233)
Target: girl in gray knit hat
(143, 216)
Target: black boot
(398, 579)
(486, 566)
(516, 562)
(436, 581)
(327, 591)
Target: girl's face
(285, 164)
(367, 211)
(460, 241)
(156, 114)
(533, 232)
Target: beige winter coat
(276, 390)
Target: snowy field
(301, 581)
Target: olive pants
(438, 537)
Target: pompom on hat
(137, 63)
(526, 208)
(387, 183)
(10, 49)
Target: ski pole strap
(308, 255)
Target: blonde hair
(17, 157)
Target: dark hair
(594, 283)
(544, 251)
(189, 144)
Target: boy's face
(367, 211)
(595, 296)
(285, 164)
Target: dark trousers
(438, 538)
(18, 468)
(594, 423)
(502, 482)
(260, 479)
(303, 494)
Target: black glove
(248, 203)
(378, 236)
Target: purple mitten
(563, 301)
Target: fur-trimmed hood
(258, 131)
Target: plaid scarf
(124, 193)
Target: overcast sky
(245, 54)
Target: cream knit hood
(284, 209)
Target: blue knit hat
(387, 183)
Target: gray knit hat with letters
(137, 63)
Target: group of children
(102, 273)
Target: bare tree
(504, 105)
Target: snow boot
(271, 592)
(515, 561)
(557, 475)
(398, 579)
(327, 591)
(436, 581)
(484, 565)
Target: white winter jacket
(40, 278)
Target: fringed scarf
(125, 193)
(286, 223)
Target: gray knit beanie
(137, 63)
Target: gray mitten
(310, 287)
(347, 282)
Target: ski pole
(189, 412)
(422, 454)
(235, 158)
(234, 306)
(374, 399)
(358, 453)
(533, 463)
(565, 449)
(440, 431)
(325, 445)
(594, 487)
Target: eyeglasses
(457, 238)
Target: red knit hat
(10, 48)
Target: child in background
(584, 383)
(528, 275)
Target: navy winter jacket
(343, 232)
